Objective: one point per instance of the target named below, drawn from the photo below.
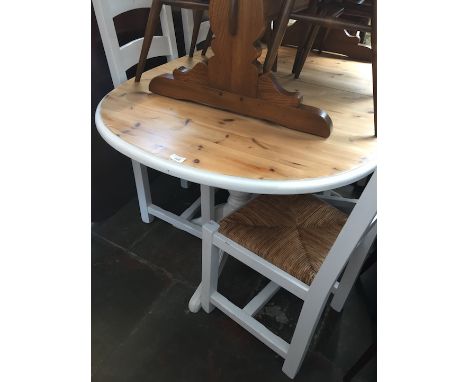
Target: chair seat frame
(347, 254)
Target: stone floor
(143, 276)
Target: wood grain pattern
(306, 118)
(235, 54)
(230, 80)
(269, 89)
(230, 144)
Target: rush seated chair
(300, 243)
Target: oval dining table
(219, 149)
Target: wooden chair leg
(279, 32)
(312, 10)
(323, 39)
(269, 40)
(197, 20)
(207, 42)
(300, 48)
(275, 64)
(305, 52)
(153, 19)
(308, 46)
(268, 35)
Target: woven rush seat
(293, 232)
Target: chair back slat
(120, 58)
(131, 51)
(118, 7)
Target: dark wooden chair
(356, 13)
(276, 14)
(339, 14)
(277, 20)
(198, 6)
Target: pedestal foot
(195, 301)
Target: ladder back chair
(300, 243)
(156, 6)
(120, 58)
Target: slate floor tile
(143, 331)
(122, 289)
(173, 344)
(126, 227)
(167, 193)
(240, 283)
(176, 251)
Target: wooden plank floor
(235, 145)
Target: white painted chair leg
(210, 266)
(352, 270)
(320, 289)
(207, 214)
(143, 190)
(308, 319)
(195, 300)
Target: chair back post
(167, 27)
(353, 268)
(187, 25)
(354, 229)
(120, 58)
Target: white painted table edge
(229, 182)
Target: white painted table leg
(235, 201)
(143, 190)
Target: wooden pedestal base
(272, 103)
(233, 79)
